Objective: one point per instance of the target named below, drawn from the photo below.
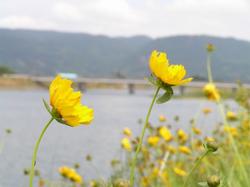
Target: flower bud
(76, 165)
(8, 131)
(212, 146)
(26, 171)
(88, 158)
(213, 181)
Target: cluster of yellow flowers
(70, 174)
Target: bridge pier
(182, 90)
(131, 89)
(82, 86)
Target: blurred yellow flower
(182, 136)
(155, 172)
(196, 130)
(153, 140)
(64, 170)
(125, 143)
(232, 130)
(197, 144)
(209, 139)
(171, 149)
(169, 74)
(207, 110)
(210, 47)
(162, 118)
(67, 104)
(211, 92)
(185, 150)
(165, 133)
(75, 177)
(180, 172)
(70, 174)
(127, 132)
(93, 183)
(231, 116)
(145, 181)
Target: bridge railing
(132, 84)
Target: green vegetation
(5, 70)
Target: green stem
(234, 146)
(132, 170)
(35, 152)
(195, 166)
(209, 71)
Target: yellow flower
(127, 132)
(144, 181)
(211, 92)
(162, 118)
(153, 140)
(197, 144)
(171, 149)
(165, 133)
(182, 136)
(169, 74)
(196, 130)
(70, 174)
(67, 105)
(64, 170)
(180, 172)
(93, 183)
(207, 111)
(232, 130)
(125, 143)
(75, 177)
(210, 47)
(231, 116)
(185, 150)
(209, 139)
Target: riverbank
(17, 82)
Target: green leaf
(47, 106)
(166, 87)
(166, 96)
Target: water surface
(23, 112)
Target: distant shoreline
(9, 82)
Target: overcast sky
(131, 17)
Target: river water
(23, 112)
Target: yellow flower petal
(67, 103)
(169, 74)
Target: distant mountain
(47, 53)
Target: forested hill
(47, 53)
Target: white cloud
(67, 11)
(25, 22)
(130, 17)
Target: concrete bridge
(130, 84)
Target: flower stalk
(209, 71)
(138, 149)
(198, 162)
(210, 49)
(33, 163)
